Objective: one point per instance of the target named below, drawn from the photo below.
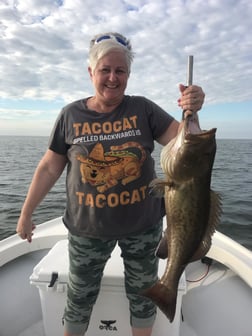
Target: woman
(106, 142)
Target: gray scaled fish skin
(192, 209)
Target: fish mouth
(199, 137)
(190, 153)
(192, 131)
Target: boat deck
(29, 295)
(219, 278)
(36, 329)
(14, 279)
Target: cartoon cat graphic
(105, 169)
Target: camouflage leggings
(88, 257)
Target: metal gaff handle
(190, 70)
(189, 76)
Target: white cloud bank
(44, 46)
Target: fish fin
(214, 218)
(157, 188)
(213, 222)
(164, 298)
(162, 249)
(202, 249)
(215, 210)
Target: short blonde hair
(102, 44)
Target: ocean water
(232, 178)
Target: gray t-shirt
(110, 166)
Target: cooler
(110, 315)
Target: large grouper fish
(192, 209)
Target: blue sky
(44, 49)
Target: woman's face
(110, 77)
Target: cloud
(44, 47)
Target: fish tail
(164, 298)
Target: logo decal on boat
(108, 325)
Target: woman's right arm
(46, 174)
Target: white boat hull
(219, 304)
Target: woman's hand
(25, 228)
(192, 98)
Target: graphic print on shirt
(104, 170)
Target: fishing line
(201, 278)
(207, 261)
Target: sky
(44, 57)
